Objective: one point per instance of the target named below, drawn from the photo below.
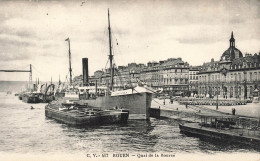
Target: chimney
(85, 71)
(34, 87)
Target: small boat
(31, 97)
(20, 96)
(74, 113)
(43, 94)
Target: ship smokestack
(34, 87)
(85, 71)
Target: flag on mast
(67, 39)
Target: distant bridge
(29, 71)
(15, 70)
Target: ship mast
(110, 55)
(59, 80)
(70, 69)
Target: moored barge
(31, 98)
(77, 114)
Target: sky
(34, 32)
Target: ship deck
(71, 112)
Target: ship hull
(30, 99)
(114, 116)
(80, 117)
(138, 104)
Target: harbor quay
(250, 110)
(175, 110)
(227, 106)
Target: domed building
(232, 52)
(234, 76)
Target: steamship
(135, 100)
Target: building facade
(171, 76)
(193, 80)
(234, 76)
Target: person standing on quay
(233, 111)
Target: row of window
(193, 72)
(234, 76)
(216, 67)
(193, 77)
(232, 91)
(171, 70)
(245, 65)
(250, 76)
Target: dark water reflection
(23, 130)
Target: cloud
(144, 30)
(8, 56)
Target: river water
(26, 131)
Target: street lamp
(224, 72)
(218, 83)
(245, 86)
(217, 99)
